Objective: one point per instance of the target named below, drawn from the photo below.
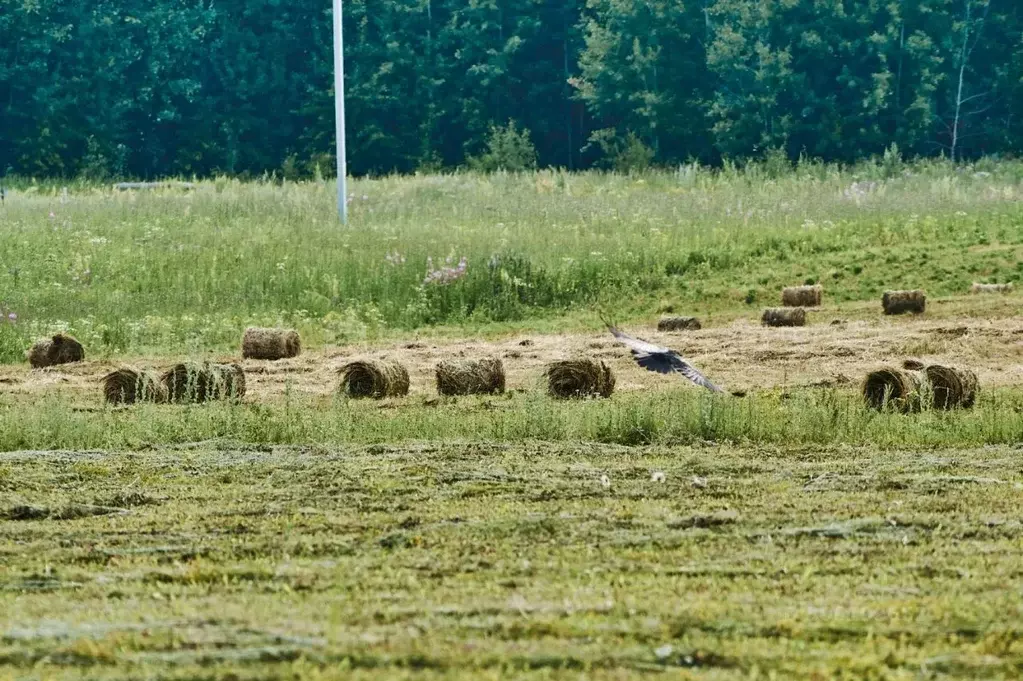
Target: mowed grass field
(790, 533)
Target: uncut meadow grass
(175, 272)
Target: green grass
(176, 272)
(497, 561)
(801, 416)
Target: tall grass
(180, 271)
(812, 417)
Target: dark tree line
(169, 87)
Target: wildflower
(657, 476)
(699, 482)
(664, 652)
(52, 215)
(12, 317)
(605, 481)
(365, 198)
(395, 258)
(446, 274)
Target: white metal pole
(339, 116)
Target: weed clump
(128, 386)
(374, 378)
(60, 349)
(579, 378)
(471, 377)
(900, 302)
(802, 296)
(204, 382)
(261, 343)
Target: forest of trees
(193, 87)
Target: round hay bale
(679, 324)
(470, 377)
(991, 288)
(128, 386)
(262, 343)
(59, 349)
(374, 378)
(952, 387)
(802, 296)
(913, 365)
(204, 382)
(894, 388)
(900, 302)
(784, 316)
(582, 377)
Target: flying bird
(660, 359)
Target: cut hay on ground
(895, 388)
(128, 386)
(784, 316)
(679, 324)
(802, 296)
(952, 387)
(204, 382)
(60, 349)
(899, 302)
(470, 377)
(261, 343)
(579, 378)
(991, 288)
(374, 378)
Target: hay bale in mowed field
(581, 377)
(128, 386)
(262, 343)
(59, 349)
(784, 316)
(952, 387)
(679, 324)
(204, 382)
(913, 365)
(893, 387)
(991, 288)
(470, 377)
(802, 296)
(899, 302)
(374, 378)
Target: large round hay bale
(204, 382)
(59, 349)
(679, 324)
(470, 377)
(784, 316)
(894, 388)
(990, 288)
(951, 387)
(581, 377)
(900, 302)
(128, 386)
(262, 343)
(374, 378)
(802, 296)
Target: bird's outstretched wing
(660, 359)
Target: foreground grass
(175, 272)
(536, 560)
(799, 416)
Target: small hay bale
(893, 387)
(374, 378)
(204, 382)
(127, 386)
(261, 343)
(899, 302)
(784, 316)
(582, 377)
(802, 296)
(679, 324)
(991, 288)
(470, 377)
(60, 349)
(952, 387)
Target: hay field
(294, 533)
